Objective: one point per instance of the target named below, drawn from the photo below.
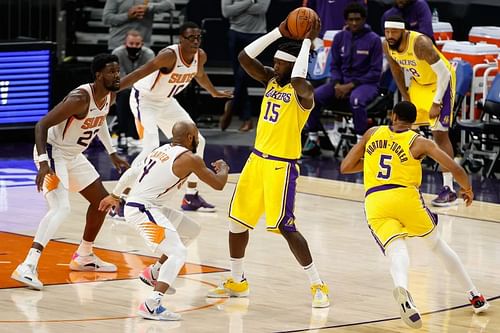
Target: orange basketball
(300, 20)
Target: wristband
(43, 158)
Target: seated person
(355, 73)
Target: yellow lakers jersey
(281, 121)
(387, 159)
(420, 69)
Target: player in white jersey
(154, 106)
(61, 136)
(165, 230)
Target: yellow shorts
(266, 185)
(423, 96)
(396, 213)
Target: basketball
(300, 20)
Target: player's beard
(396, 45)
(113, 86)
(194, 146)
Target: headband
(394, 25)
(284, 56)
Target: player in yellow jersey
(390, 158)
(432, 88)
(268, 181)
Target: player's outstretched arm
(204, 81)
(73, 105)
(189, 163)
(252, 66)
(302, 87)
(397, 72)
(353, 162)
(165, 59)
(423, 146)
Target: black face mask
(133, 52)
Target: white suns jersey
(72, 136)
(156, 180)
(161, 86)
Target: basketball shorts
(154, 223)
(267, 185)
(151, 114)
(396, 213)
(422, 96)
(73, 173)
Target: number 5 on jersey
(385, 167)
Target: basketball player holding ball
(268, 181)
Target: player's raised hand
(315, 28)
(223, 94)
(43, 171)
(119, 163)
(284, 29)
(108, 202)
(220, 166)
(467, 195)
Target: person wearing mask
(132, 54)
(124, 15)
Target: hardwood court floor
(329, 214)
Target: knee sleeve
(188, 230)
(236, 228)
(59, 209)
(176, 252)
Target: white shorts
(152, 114)
(153, 223)
(73, 173)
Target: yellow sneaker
(230, 288)
(320, 295)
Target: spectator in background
(248, 22)
(125, 15)
(131, 55)
(330, 12)
(355, 73)
(416, 14)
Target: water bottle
(435, 16)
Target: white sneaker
(90, 263)
(146, 276)
(27, 275)
(158, 313)
(407, 309)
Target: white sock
(397, 252)
(448, 180)
(85, 248)
(312, 274)
(472, 293)
(313, 136)
(237, 269)
(155, 271)
(33, 257)
(451, 261)
(154, 299)
(191, 190)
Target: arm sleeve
(259, 8)
(230, 8)
(372, 76)
(126, 180)
(110, 15)
(162, 6)
(105, 138)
